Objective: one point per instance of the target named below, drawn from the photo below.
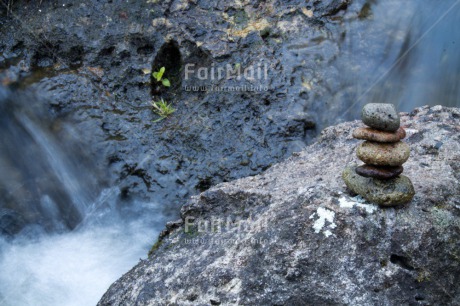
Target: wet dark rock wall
(92, 61)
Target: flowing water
(66, 235)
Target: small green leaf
(159, 119)
(155, 75)
(160, 73)
(166, 82)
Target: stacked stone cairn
(379, 180)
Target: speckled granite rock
(383, 154)
(309, 241)
(379, 136)
(381, 116)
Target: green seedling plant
(162, 109)
(158, 75)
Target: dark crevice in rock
(75, 56)
(169, 57)
(214, 302)
(45, 55)
(125, 54)
(419, 298)
(401, 261)
(18, 47)
(204, 184)
(107, 51)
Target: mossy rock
(391, 192)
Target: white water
(78, 238)
(76, 268)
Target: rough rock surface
(379, 136)
(383, 154)
(311, 242)
(381, 116)
(390, 192)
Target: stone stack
(379, 180)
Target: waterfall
(65, 236)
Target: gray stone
(381, 116)
(390, 192)
(310, 241)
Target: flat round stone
(382, 173)
(391, 192)
(383, 154)
(379, 136)
(381, 116)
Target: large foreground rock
(306, 240)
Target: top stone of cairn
(381, 116)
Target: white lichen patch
(324, 215)
(410, 132)
(357, 201)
